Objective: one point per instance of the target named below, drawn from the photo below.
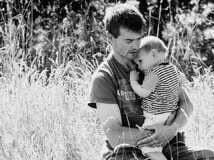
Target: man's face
(126, 45)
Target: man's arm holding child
(164, 133)
(110, 118)
(102, 96)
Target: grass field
(47, 122)
(53, 121)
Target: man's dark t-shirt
(110, 84)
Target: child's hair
(149, 43)
(123, 15)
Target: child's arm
(142, 92)
(148, 85)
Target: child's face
(145, 59)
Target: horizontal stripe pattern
(165, 96)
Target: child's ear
(154, 53)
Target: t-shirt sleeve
(101, 90)
(150, 81)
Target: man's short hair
(126, 16)
(149, 43)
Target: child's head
(152, 51)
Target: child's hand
(134, 76)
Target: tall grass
(51, 121)
(48, 122)
(200, 129)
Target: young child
(160, 87)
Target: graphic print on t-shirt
(128, 98)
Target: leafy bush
(41, 120)
(48, 34)
(192, 37)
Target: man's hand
(161, 136)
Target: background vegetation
(48, 51)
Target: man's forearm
(180, 120)
(111, 121)
(184, 112)
(119, 135)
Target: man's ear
(109, 37)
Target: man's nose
(136, 44)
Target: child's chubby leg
(153, 153)
(156, 156)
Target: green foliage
(43, 35)
(41, 120)
(192, 37)
(47, 34)
(54, 122)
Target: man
(118, 107)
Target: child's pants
(151, 119)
